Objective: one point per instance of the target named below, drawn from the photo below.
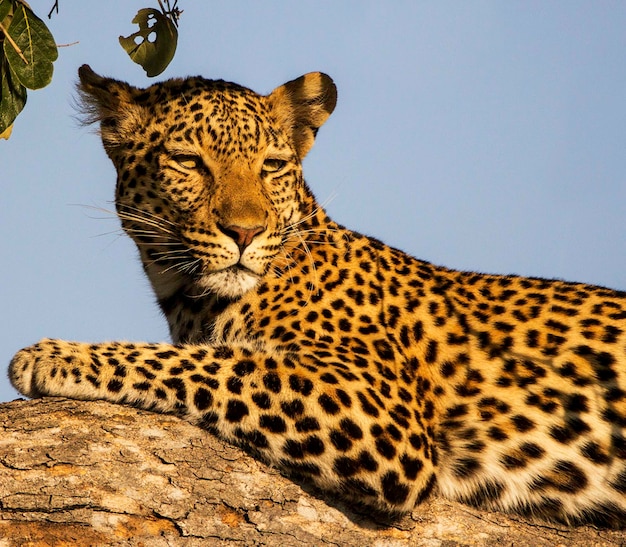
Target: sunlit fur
(330, 355)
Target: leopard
(376, 377)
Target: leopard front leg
(314, 418)
(55, 367)
(144, 375)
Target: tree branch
(93, 473)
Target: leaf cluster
(26, 56)
(28, 50)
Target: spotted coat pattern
(325, 352)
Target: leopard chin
(230, 282)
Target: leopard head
(209, 173)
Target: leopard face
(209, 174)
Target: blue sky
(487, 136)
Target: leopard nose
(241, 235)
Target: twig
(55, 6)
(171, 11)
(12, 42)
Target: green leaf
(12, 96)
(33, 68)
(5, 8)
(154, 44)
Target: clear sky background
(485, 136)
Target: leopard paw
(21, 371)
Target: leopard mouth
(231, 282)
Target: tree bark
(92, 473)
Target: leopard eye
(187, 161)
(273, 165)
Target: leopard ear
(303, 105)
(112, 104)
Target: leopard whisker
(184, 266)
(135, 215)
(319, 207)
(147, 214)
(147, 222)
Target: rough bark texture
(92, 473)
